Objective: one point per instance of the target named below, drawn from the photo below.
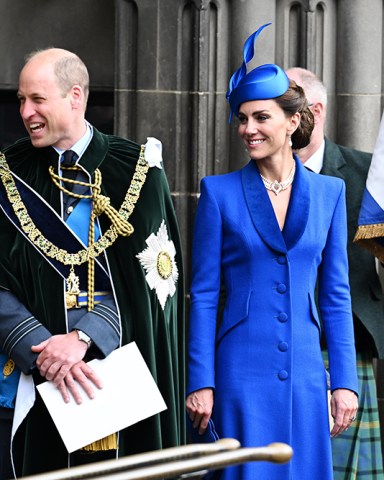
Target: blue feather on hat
(262, 83)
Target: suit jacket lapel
(260, 208)
(263, 215)
(298, 209)
(333, 160)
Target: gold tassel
(101, 204)
(106, 443)
(369, 231)
(365, 238)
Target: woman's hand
(199, 406)
(343, 410)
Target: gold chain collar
(101, 204)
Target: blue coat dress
(263, 359)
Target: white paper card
(129, 394)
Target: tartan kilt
(357, 452)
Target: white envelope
(129, 394)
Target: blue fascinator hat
(262, 83)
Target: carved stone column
(359, 72)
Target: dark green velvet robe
(159, 334)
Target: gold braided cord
(105, 241)
(91, 264)
(100, 203)
(57, 179)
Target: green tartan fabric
(357, 452)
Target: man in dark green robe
(32, 295)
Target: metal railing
(188, 461)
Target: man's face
(46, 110)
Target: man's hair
(68, 68)
(314, 88)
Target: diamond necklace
(277, 187)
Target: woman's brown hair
(292, 101)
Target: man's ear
(77, 96)
(318, 111)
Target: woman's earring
(290, 141)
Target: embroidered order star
(158, 260)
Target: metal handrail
(178, 462)
(146, 459)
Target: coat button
(283, 374)
(281, 288)
(282, 317)
(282, 260)
(283, 346)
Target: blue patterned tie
(69, 158)
(78, 221)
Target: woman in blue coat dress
(271, 232)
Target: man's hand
(60, 361)
(199, 406)
(85, 377)
(343, 410)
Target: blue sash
(79, 219)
